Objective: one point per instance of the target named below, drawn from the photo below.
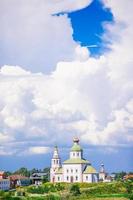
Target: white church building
(75, 169)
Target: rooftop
(76, 147)
(76, 161)
(17, 177)
(2, 172)
(90, 170)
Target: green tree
(23, 171)
(120, 175)
(47, 176)
(32, 171)
(129, 186)
(8, 173)
(74, 189)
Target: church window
(87, 178)
(56, 161)
(76, 178)
(67, 178)
(58, 178)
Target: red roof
(128, 176)
(17, 177)
(2, 172)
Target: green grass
(64, 191)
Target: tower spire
(56, 162)
(56, 153)
(102, 170)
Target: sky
(66, 71)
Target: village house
(4, 181)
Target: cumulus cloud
(13, 71)
(38, 150)
(31, 33)
(89, 97)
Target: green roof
(76, 161)
(59, 171)
(90, 170)
(76, 147)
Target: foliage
(8, 173)
(23, 171)
(106, 188)
(129, 186)
(45, 188)
(130, 196)
(74, 189)
(88, 185)
(46, 170)
(7, 196)
(120, 175)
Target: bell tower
(55, 164)
(102, 173)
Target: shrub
(106, 188)
(131, 196)
(74, 189)
(129, 186)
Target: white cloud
(3, 152)
(68, 6)
(38, 150)
(13, 71)
(5, 138)
(31, 35)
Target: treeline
(120, 175)
(26, 172)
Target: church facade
(75, 169)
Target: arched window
(73, 154)
(71, 170)
(76, 170)
(67, 170)
(58, 178)
(78, 154)
(87, 178)
(67, 178)
(76, 178)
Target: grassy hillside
(80, 191)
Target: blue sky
(63, 75)
(87, 26)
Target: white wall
(76, 154)
(52, 174)
(90, 178)
(55, 163)
(87, 178)
(102, 176)
(4, 184)
(72, 172)
(59, 178)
